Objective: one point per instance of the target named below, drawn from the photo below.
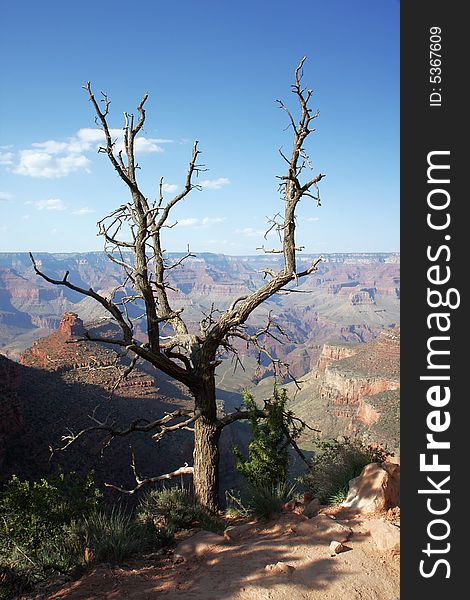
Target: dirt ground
(209, 567)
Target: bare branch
(138, 425)
(184, 470)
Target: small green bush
(34, 516)
(268, 500)
(266, 467)
(36, 533)
(115, 535)
(268, 457)
(173, 509)
(335, 463)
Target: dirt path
(207, 567)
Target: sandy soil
(217, 569)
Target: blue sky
(213, 70)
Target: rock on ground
(375, 490)
(385, 535)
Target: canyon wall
(354, 390)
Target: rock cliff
(355, 390)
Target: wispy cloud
(188, 222)
(5, 196)
(54, 158)
(214, 184)
(6, 158)
(50, 204)
(205, 222)
(250, 232)
(83, 211)
(212, 220)
(311, 219)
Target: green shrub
(112, 536)
(268, 500)
(268, 452)
(173, 509)
(335, 463)
(339, 495)
(36, 527)
(34, 516)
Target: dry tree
(172, 346)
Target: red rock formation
(367, 414)
(71, 325)
(333, 352)
(359, 374)
(90, 362)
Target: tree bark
(206, 448)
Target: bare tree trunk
(206, 447)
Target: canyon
(342, 345)
(351, 297)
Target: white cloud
(51, 146)
(6, 158)
(53, 158)
(5, 196)
(188, 222)
(169, 187)
(214, 184)
(26, 217)
(83, 211)
(313, 219)
(36, 163)
(205, 222)
(50, 204)
(212, 220)
(89, 139)
(145, 145)
(92, 136)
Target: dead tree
(191, 358)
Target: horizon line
(299, 254)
